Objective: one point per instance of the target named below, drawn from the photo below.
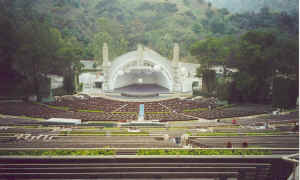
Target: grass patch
(292, 110)
(143, 133)
(182, 122)
(143, 124)
(205, 152)
(30, 118)
(31, 127)
(226, 106)
(103, 124)
(239, 134)
(93, 111)
(195, 110)
(124, 112)
(82, 133)
(8, 134)
(154, 128)
(102, 133)
(112, 128)
(53, 107)
(227, 126)
(100, 152)
(157, 112)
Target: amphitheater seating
(179, 105)
(100, 109)
(27, 109)
(223, 113)
(90, 104)
(163, 117)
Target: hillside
(154, 23)
(256, 5)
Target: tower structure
(105, 66)
(105, 55)
(140, 60)
(175, 68)
(176, 55)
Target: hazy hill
(155, 23)
(256, 5)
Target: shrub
(285, 93)
(209, 80)
(202, 93)
(245, 144)
(229, 144)
(83, 152)
(203, 152)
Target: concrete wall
(88, 80)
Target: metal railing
(293, 159)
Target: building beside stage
(142, 67)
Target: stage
(142, 89)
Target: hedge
(101, 152)
(109, 152)
(205, 152)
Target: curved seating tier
(101, 109)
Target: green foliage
(213, 52)
(202, 93)
(55, 107)
(87, 110)
(254, 58)
(82, 133)
(124, 112)
(257, 55)
(239, 134)
(100, 124)
(204, 152)
(283, 22)
(157, 112)
(141, 124)
(80, 87)
(209, 81)
(102, 133)
(239, 6)
(38, 38)
(68, 82)
(38, 48)
(223, 89)
(285, 93)
(101, 152)
(126, 133)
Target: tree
(213, 51)
(254, 58)
(97, 43)
(43, 51)
(108, 32)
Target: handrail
(289, 158)
(295, 164)
(107, 148)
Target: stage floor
(142, 89)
